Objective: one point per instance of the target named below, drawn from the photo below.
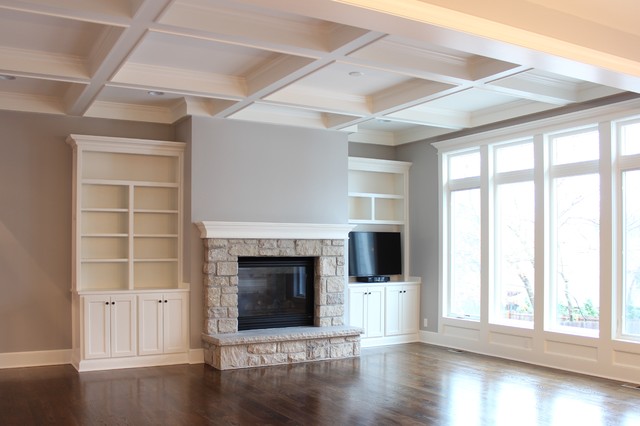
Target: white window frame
(450, 186)
(563, 171)
(621, 164)
(497, 179)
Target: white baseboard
(196, 356)
(64, 356)
(35, 358)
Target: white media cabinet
(378, 201)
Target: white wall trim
(63, 356)
(35, 358)
(196, 356)
(589, 116)
(267, 230)
(599, 368)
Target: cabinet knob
(165, 301)
(159, 301)
(113, 303)
(106, 303)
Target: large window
(574, 282)
(629, 293)
(543, 232)
(514, 222)
(463, 290)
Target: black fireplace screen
(275, 292)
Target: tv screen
(374, 254)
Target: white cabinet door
(175, 322)
(123, 325)
(163, 323)
(411, 309)
(375, 312)
(366, 306)
(402, 309)
(150, 306)
(394, 313)
(97, 326)
(109, 326)
(357, 307)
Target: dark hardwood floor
(403, 384)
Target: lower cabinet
(365, 308)
(162, 323)
(403, 309)
(109, 326)
(388, 312)
(131, 329)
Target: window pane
(514, 277)
(630, 137)
(514, 157)
(575, 235)
(576, 148)
(465, 165)
(464, 290)
(631, 253)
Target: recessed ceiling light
(7, 77)
(356, 73)
(155, 93)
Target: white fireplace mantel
(268, 230)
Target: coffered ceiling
(382, 77)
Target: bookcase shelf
(128, 197)
(378, 191)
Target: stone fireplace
(227, 348)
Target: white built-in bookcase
(378, 197)
(129, 304)
(379, 201)
(127, 216)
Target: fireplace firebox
(275, 292)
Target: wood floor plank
(411, 384)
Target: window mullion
(486, 233)
(607, 229)
(541, 240)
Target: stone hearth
(227, 348)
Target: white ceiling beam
(113, 60)
(180, 81)
(435, 117)
(596, 54)
(536, 88)
(285, 116)
(112, 12)
(276, 74)
(338, 103)
(505, 112)
(121, 111)
(31, 103)
(338, 121)
(43, 64)
(408, 94)
(273, 92)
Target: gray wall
(423, 223)
(251, 172)
(366, 150)
(35, 223)
(259, 172)
(234, 171)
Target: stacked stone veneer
(226, 348)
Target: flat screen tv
(374, 256)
